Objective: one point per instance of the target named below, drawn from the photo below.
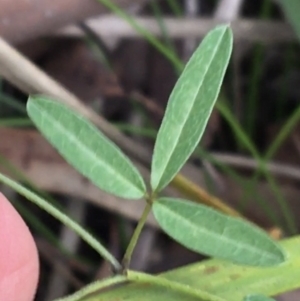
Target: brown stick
(22, 20)
(249, 30)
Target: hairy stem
(93, 287)
(86, 236)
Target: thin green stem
(289, 125)
(290, 222)
(262, 170)
(161, 23)
(172, 285)
(284, 89)
(12, 102)
(236, 127)
(240, 180)
(175, 7)
(94, 287)
(144, 32)
(136, 234)
(62, 218)
(257, 72)
(15, 122)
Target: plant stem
(93, 287)
(86, 236)
(172, 285)
(135, 236)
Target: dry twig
(248, 30)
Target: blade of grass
(248, 191)
(288, 216)
(284, 132)
(160, 21)
(281, 100)
(145, 33)
(15, 122)
(175, 7)
(257, 71)
(13, 103)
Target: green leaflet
(258, 298)
(212, 233)
(85, 148)
(190, 106)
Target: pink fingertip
(19, 264)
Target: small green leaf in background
(215, 234)
(85, 148)
(190, 105)
(258, 298)
(291, 9)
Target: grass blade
(85, 148)
(212, 233)
(190, 106)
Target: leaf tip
(34, 100)
(281, 255)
